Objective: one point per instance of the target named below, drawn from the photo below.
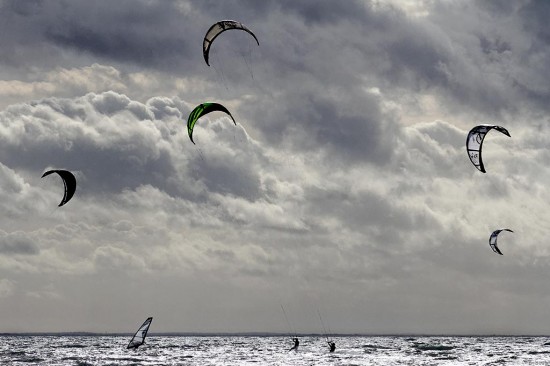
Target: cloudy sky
(345, 187)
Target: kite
(474, 142)
(68, 180)
(218, 28)
(493, 240)
(200, 111)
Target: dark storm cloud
(355, 129)
(496, 39)
(139, 32)
(534, 15)
(470, 62)
(124, 31)
(470, 54)
(160, 35)
(314, 56)
(221, 174)
(331, 43)
(319, 12)
(18, 242)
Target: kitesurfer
(296, 344)
(332, 346)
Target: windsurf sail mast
(139, 337)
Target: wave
(432, 347)
(72, 346)
(83, 363)
(376, 346)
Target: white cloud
(96, 78)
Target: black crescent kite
(200, 111)
(493, 240)
(68, 180)
(474, 143)
(218, 28)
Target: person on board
(332, 346)
(296, 344)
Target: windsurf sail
(139, 337)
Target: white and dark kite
(218, 28)
(68, 180)
(493, 240)
(474, 143)
(139, 337)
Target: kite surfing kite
(493, 240)
(68, 180)
(474, 142)
(139, 337)
(200, 111)
(218, 28)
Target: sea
(88, 350)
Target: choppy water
(178, 350)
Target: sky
(344, 189)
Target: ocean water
(269, 350)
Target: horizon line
(264, 334)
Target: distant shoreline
(255, 334)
